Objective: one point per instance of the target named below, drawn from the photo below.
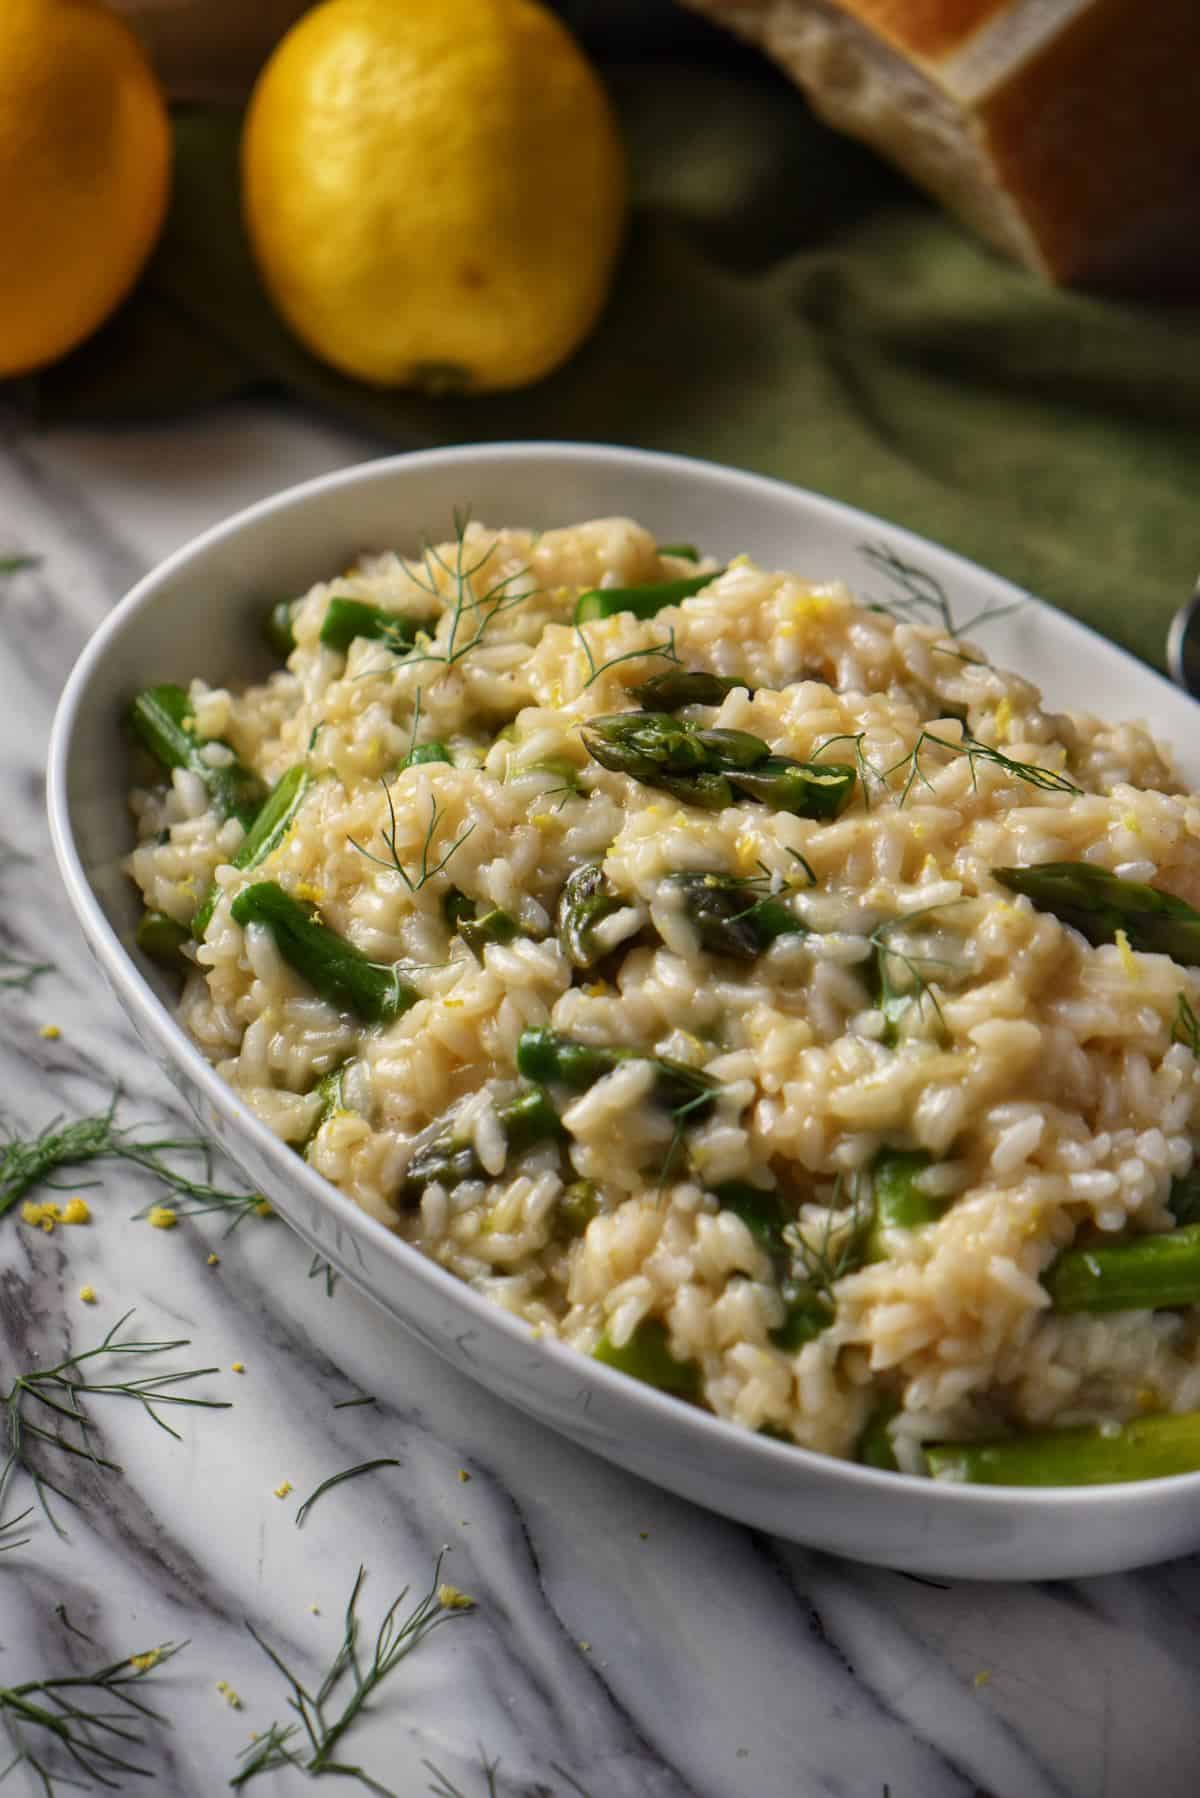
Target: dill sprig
(93, 1741)
(919, 596)
(665, 650)
(444, 1789)
(894, 998)
(317, 1267)
(42, 1405)
(26, 1162)
(19, 973)
(310, 1743)
(336, 1479)
(18, 564)
(471, 612)
(392, 862)
(1046, 779)
(839, 1249)
(1187, 1026)
(867, 771)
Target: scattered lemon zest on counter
(51, 1032)
(315, 1609)
(229, 1695)
(76, 1211)
(214, 1261)
(263, 1209)
(1126, 953)
(283, 1488)
(161, 1217)
(144, 1662)
(1004, 718)
(453, 1600)
(982, 1678)
(463, 1475)
(42, 1216)
(585, 1647)
(237, 1367)
(88, 1294)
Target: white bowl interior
(200, 613)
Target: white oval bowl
(199, 614)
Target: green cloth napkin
(786, 304)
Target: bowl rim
(706, 1429)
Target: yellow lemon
(434, 190)
(85, 157)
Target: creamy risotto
(755, 989)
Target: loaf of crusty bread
(1066, 132)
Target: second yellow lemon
(434, 190)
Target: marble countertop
(624, 1644)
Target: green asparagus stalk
(161, 939)
(277, 628)
(457, 907)
(806, 1310)
(587, 898)
(874, 1447)
(162, 718)
(687, 552)
(898, 1204)
(729, 919)
(551, 1058)
(713, 768)
(579, 1204)
(274, 820)
(647, 1357)
(1098, 904)
(528, 1118)
(330, 1089)
(334, 968)
(1149, 1448)
(495, 926)
(643, 602)
(1146, 1273)
(345, 619)
(677, 687)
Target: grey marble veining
(624, 1644)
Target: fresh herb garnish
(425, 873)
(1187, 1025)
(470, 612)
(37, 1398)
(310, 1744)
(19, 973)
(348, 1473)
(317, 1267)
(93, 1741)
(665, 651)
(1030, 772)
(444, 1789)
(18, 564)
(894, 998)
(919, 596)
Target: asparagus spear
(731, 920)
(806, 1310)
(345, 619)
(274, 820)
(587, 898)
(426, 752)
(1149, 1448)
(874, 1447)
(677, 687)
(1098, 904)
(162, 939)
(457, 906)
(1151, 1273)
(277, 628)
(712, 768)
(898, 1203)
(647, 1356)
(495, 926)
(162, 718)
(330, 1089)
(576, 1208)
(643, 602)
(687, 552)
(337, 971)
(551, 1058)
(448, 1159)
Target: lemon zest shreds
(451, 1599)
(161, 1217)
(283, 1488)
(237, 1367)
(41, 1215)
(1128, 961)
(51, 1032)
(144, 1662)
(88, 1294)
(76, 1211)
(229, 1695)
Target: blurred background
(938, 258)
